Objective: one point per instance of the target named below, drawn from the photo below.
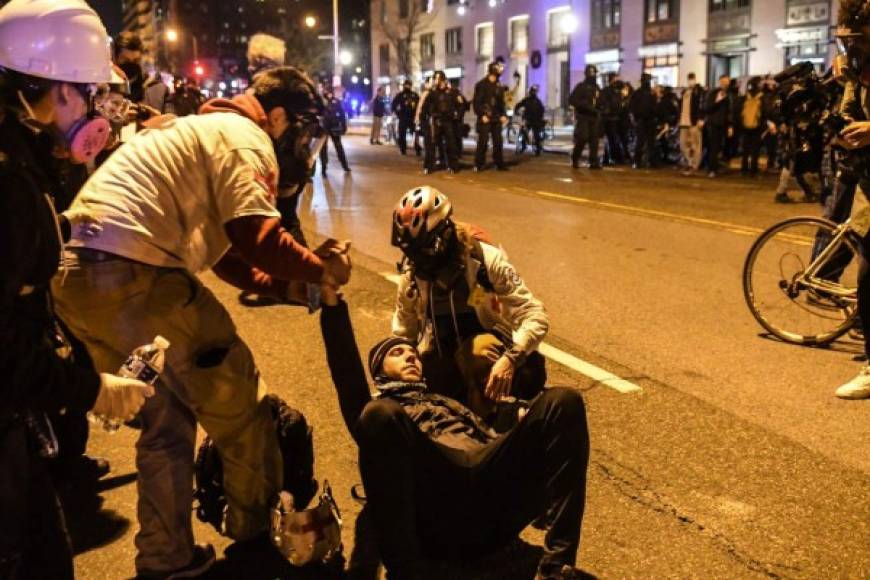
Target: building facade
(549, 42)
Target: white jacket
(511, 306)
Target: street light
(345, 58)
(310, 21)
(172, 35)
(568, 23)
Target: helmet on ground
(419, 220)
(61, 40)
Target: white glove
(120, 397)
(83, 222)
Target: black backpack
(297, 450)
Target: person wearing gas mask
(612, 105)
(48, 107)
(532, 110)
(488, 103)
(439, 113)
(405, 108)
(440, 481)
(193, 194)
(465, 306)
(585, 99)
(335, 125)
(853, 41)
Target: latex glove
(83, 222)
(120, 397)
(500, 379)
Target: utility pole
(336, 72)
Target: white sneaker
(857, 388)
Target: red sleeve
(232, 269)
(264, 244)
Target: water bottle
(145, 364)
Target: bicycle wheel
(783, 300)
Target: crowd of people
(700, 130)
(104, 239)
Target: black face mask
(297, 150)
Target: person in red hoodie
(184, 196)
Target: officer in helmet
(489, 106)
(54, 55)
(585, 99)
(440, 111)
(405, 108)
(533, 119)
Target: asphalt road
(734, 460)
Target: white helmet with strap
(61, 40)
(420, 217)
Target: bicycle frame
(809, 277)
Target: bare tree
(402, 25)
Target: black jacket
(612, 103)
(334, 117)
(533, 109)
(35, 377)
(488, 100)
(586, 99)
(405, 105)
(379, 106)
(440, 106)
(696, 104)
(442, 419)
(719, 114)
(642, 104)
(667, 111)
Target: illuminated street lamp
(568, 23)
(310, 21)
(345, 58)
(172, 35)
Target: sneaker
(203, 559)
(478, 168)
(711, 175)
(426, 171)
(857, 388)
(782, 198)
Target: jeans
(690, 146)
(459, 503)
(210, 378)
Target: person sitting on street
(533, 119)
(193, 194)
(437, 479)
(465, 307)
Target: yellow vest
(751, 112)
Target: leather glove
(120, 397)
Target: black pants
(405, 125)
(751, 145)
(614, 153)
(771, 149)
(838, 207)
(644, 144)
(461, 503)
(441, 138)
(287, 207)
(484, 132)
(33, 537)
(586, 133)
(716, 144)
(339, 151)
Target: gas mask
(297, 150)
(854, 55)
(309, 536)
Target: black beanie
(379, 352)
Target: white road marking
(578, 365)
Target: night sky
(110, 13)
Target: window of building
(385, 59)
(485, 40)
(720, 5)
(519, 31)
(664, 69)
(557, 38)
(403, 8)
(606, 14)
(427, 46)
(453, 40)
(659, 10)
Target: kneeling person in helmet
(475, 322)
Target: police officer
(460, 129)
(405, 108)
(439, 111)
(586, 102)
(533, 119)
(335, 125)
(612, 109)
(489, 106)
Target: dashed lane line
(578, 365)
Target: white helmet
(419, 219)
(62, 40)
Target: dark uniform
(612, 109)
(643, 109)
(439, 111)
(462, 106)
(489, 102)
(533, 119)
(585, 99)
(405, 107)
(335, 124)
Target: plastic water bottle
(145, 364)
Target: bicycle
(800, 281)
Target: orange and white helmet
(419, 219)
